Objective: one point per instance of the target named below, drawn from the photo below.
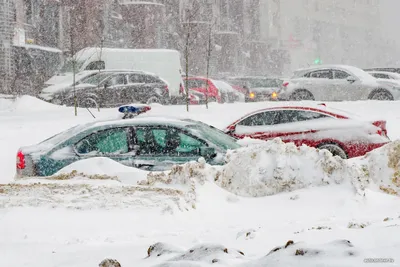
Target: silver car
(336, 83)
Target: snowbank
(338, 252)
(30, 103)
(103, 167)
(6, 102)
(274, 167)
(264, 169)
(25, 103)
(381, 168)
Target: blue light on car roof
(134, 109)
(131, 111)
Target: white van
(165, 63)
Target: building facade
(232, 37)
(328, 32)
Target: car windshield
(68, 66)
(95, 79)
(215, 136)
(63, 136)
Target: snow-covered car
(228, 93)
(336, 83)
(216, 90)
(112, 89)
(343, 134)
(385, 69)
(389, 77)
(257, 88)
(149, 143)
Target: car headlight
(274, 95)
(252, 95)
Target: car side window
(289, 116)
(341, 74)
(196, 84)
(117, 80)
(381, 76)
(259, 119)
(166, 141)
(135, 78)
(112, 141)
(321, 74)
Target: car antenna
(90, 112)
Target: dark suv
(115, 88)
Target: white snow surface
(233, 215)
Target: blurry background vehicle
(257, 88)
(336, 83)
(114, 88)
(164, 63)
(343, 134)
(216, 90)
(395, 70)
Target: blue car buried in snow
(149, 143)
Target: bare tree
(208, 55)
(189, 25)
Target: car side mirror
(231, 129)
(207, 152)
(351, 79)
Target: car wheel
(88, 102)
(212, 99)
(335, 149)
(301, 95)
(154, 99)
(381, 95)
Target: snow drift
(338, 252)
(381, 168)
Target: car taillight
(181, 89)
(166, 89)
(285, 84)
(20, 160)
(382, 126)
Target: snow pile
(200, 255)
(89, 196)
(274, 167)
(335, 253)
(185, 177)
(381, 168)
(6, 102)
(32, 104)
(100, 167)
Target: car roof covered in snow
(140, 121)
(321, 107)
(106, 124)
(353, 70)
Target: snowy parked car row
(157, 143)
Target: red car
(216, 90)
(343, 134)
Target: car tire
(301, 94)
(88, 101)
(212, 99)
(381, 95)
(335, 149)
(154, 99)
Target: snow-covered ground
(200, 214)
